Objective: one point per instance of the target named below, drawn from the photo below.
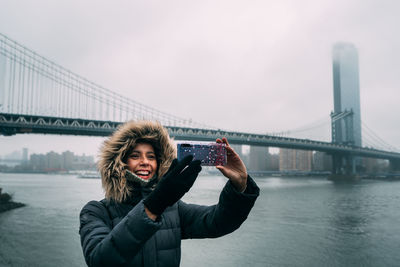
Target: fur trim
(114, 150)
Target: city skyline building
(346, 117)
(322, 161)
(295, 159)
(259, 158)
(25, 154)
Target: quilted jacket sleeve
(103, 246)
(213, 221)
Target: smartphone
(210, 154)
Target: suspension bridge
(42, 97)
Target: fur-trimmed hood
(112, 164)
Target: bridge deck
(11, 124)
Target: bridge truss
(11, 124)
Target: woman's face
(142, 161)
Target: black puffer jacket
(119, 234)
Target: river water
(295, 222)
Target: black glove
(175, 183)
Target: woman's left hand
(234, 170)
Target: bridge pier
(8, 131)
(343, 168)
(343, 164)
(394, 165)
(336, 164)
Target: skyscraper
(346, 118)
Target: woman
(142, 220)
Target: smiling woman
(142, 220)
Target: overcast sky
(253, 66)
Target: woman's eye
(134, 156)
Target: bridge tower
(346, 117)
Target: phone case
(210, 154)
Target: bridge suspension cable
(310, 130)
(371, 139)
(33, 85)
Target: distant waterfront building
(38, 162)
(287, 159)
(304, 160)
(346, 93)
(295, 160)
(322, 161)
(274, 162)
(258, 158)
(12, 159)
(15, 155)
(25, 154)
(372, 165)
(68, 159)
(238, 149)
(54, 160)
(65, 161)
(83, 162)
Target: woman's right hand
(176, 182)
(234, 170)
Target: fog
(253, 66)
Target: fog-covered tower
(346, 117)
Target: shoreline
(10, 206)
(6, 202)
